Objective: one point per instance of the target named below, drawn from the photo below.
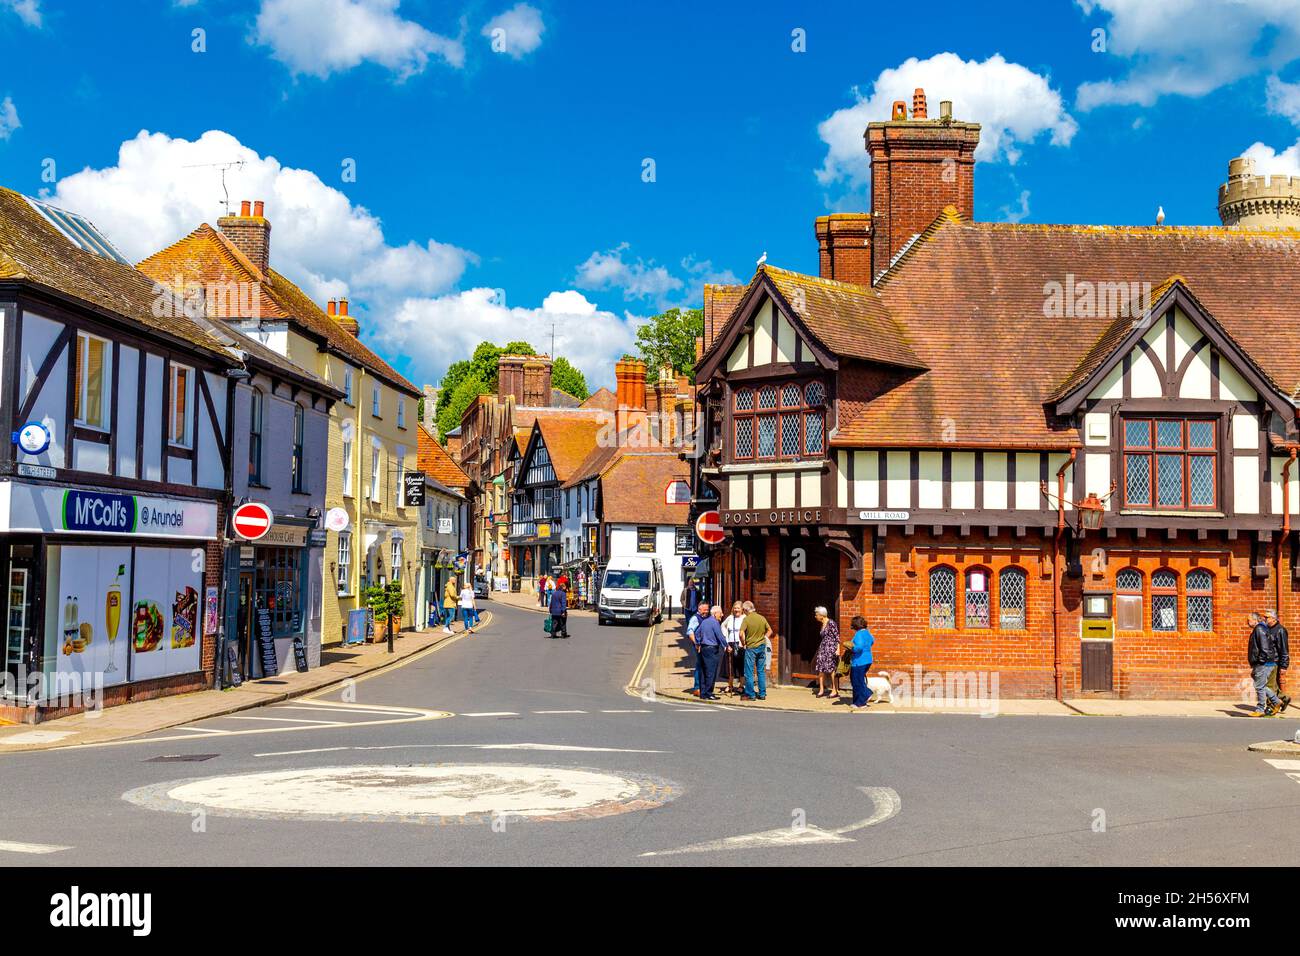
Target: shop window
(91, 400)
(977, 598)
(1164, 601)
(1200, 600)
(344, 561)
(1170, 463)
(943, 598)
(1128, 600)
(785, 421)
(181, 428)
(276, 586)
(255, 412)
(297, 463)
(1011, 599)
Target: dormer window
(780, 421)
(1170, 464)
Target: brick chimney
(629, 375)
(537, 381)
(250, 233)
(918, 166)
(844, 247)
(510, 378)
(350, 325)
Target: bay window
(1170, 464)
(779, 421)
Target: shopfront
(274, 574)
(105, 596)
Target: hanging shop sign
(83, 511)
(336, 519)
(317, 537)
(33, 438)
(413, 489)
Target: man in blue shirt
(692, 624)
(709, 642)
(859, 650)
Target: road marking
(886, 801)
(36, 737)
(559, 712)
(284, 720)
(1283, 764)
(11, 847)
(383, 711)
(556, 747)
(627, 712)
(493, 713)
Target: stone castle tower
(1247, 201)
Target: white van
(632, 590)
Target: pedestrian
(1282, 642)
(559, 607)
(709, 645)
(1261, 655)
(468, 612)
(549, 591)
(858, 648)
(542, 597)
(733, 629)
(827, 659)
(450, 597)
(757, 633)
(690, 599)
(692, 623)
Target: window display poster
(92, 637)
(164, 616)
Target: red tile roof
(437, 464)
(633, 487)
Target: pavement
(506, 748)
(674, 674)
(142, 717)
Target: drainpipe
(1286, 527)
(1057, 599)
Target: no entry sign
(708, 527)
(252, 520)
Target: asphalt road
(506, 718)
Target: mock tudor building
(1062, 453)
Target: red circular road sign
(708, 527)
(252, 520)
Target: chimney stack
(349, 324)
(251, 235)
(631, 399)
(844, 247)
(510, 378)
(537, 381)
(918, 167)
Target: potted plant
(386, 604)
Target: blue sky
(499, 190)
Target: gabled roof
(209, 257)
(838, 318)
(632, 489)
(436, 463)
(970, 297)
(601, 398)
(569, 438)
(32, 251)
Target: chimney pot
(918, 104)
(258, 208)
(945, 109)
(243, 208)
(330, 309)
(343, 306)
(900, 110)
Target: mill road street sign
(709, 528)
(252, 520)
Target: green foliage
(386, 601)
(567, 378)
(450, 414)
(669, 339)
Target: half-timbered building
(1064, 454)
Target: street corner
(439, 794)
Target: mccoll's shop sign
(84, 511)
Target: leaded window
(1011, 599)
(943, 598)
(1200, 600)
(782, 421)
(977, 598)
(1170, 463)
(1128, 600)
(1164, 601)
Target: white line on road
(386, 712)
(555, 747)
(286, 720)
(1283, 764)
(493, 713)
(10, 847)
(559, 712)
(204, 730)
(627, 712)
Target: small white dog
(880, 689)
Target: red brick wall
(844, 247)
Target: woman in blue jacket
(560, 612)
(858, 650)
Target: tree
(567, 378)
(386, 604)
(669, 339)
(450, 414)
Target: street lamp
(1091, 510)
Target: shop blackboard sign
(266, 643)
(232, 665)
(300, 654)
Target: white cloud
(160, 190)
(521, 30)
(320, 37)
(1190, 47)
(8, 118)
(1013, 105)
(1020, 210)
(1269, 162)
(431, 332)
(1283, 98)
(637, 279)
(29, 11)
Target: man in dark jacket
(559, 612)
(1281, 644)
(1262, 656)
